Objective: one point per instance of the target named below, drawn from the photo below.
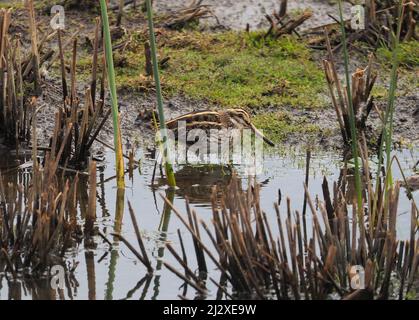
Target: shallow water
(114, 273)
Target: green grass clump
(408, 54)
(232, 69)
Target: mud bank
(326, 135)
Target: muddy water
(114, 273)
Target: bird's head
(239, 118)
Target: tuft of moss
(12, 4)
(380, 92)
(408, 54)
(234, 72)
(231, 69)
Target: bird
(206, 120)
(211, 119)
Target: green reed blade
(114, 98)
(168, 166)
(392, 93)
(354, 136)
(387, 126)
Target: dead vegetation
(380, 28)
(282, 23)
(79, 123)
(382, 21)
(14, 116)
(38, 219)
(303, 262)
(188, 16)
(361, 86)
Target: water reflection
(119, 214)
(146, 281)
(196, 182)
(111, 276)
(163, 228)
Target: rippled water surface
(113, 272)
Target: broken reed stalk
(189, 15)
(281, 24)
(163, 130)
(148, 60)
(73, 74)
(283, 8)
(139, 239)
(143, 257)
(362, 84)
(34, 47)
(14, 116)
(93, 83)
(120, 12)
(114, 98)
(38, 222)
(62, 65)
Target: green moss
(231, 69)
(277, 126)
(84, 65)
(12, 4)
(408, 54)
(379, 91)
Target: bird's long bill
(260, 134)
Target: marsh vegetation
(80, 186)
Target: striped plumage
(224, 119)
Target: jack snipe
(224, 119)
